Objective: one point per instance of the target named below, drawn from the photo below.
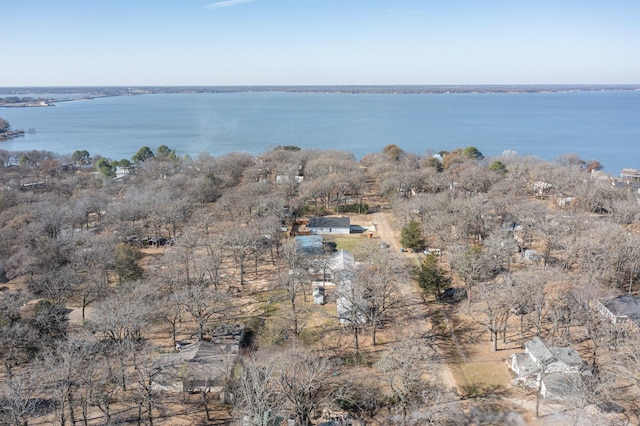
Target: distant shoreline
(97, 91)
(48, 102)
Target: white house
(329, 225)
(621, 309)
(546, 366)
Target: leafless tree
(528, 297)
(239, 240)
(379, 279)
(17, 338)
(472, 266)
(204, 304)
(257, 398)
(124, 315)
(302, 379)
(170, 311)
(66, 365)
(18, 397)
(494, 303)
(144, 373)
(361, 397)
(93, 262)
(404, 371)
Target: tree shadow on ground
(481, 390)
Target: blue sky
(319, 42)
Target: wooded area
(109, 268)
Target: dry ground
(468, 365)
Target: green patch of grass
(311, 336)
(358, 245)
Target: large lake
(603, 125)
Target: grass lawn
(354, 243)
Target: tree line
(75, 237)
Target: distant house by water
(630, 175)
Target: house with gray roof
(329, 225)
(630, 175)
(546, 366)
(623, 309)
(200, 365)
(309, 244)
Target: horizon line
(330, 85)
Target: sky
(318, 42)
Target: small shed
(319, 296)
(533, 256)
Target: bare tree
(125, 314)
(403, 370)
(204, 304)
(144, 374)
(302, 379)
(472, 266)
(239, 241)
(257, 397)
(293, 277)
(18, 397)
(66, 365)
(494, 304)
(379, 280)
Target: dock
(10, 134)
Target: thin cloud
(227, 3)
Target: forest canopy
(109, 267)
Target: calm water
(595, 125)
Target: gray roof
(569, 356)
(525, 364)
(329, 222)
(546, 354)
(630, 172)
(559, 386)
(539, 350)
(195, 364)
(625, 305)
(310, 244)
(342, 261)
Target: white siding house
(329, 225)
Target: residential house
(629, 178)
(342, 267)
(547, 366)
(621, 309)
(541, 189)
(329, 225)
(630, 175)
(309, 244)
(200, 365)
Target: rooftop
(625, 305)
(329, 222)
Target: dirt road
(417, 312)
